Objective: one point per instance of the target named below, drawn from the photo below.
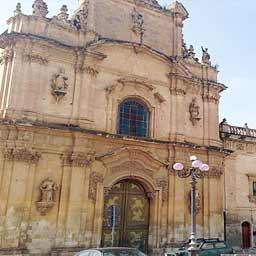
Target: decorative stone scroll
(106, 191)
(80, 159)
(91, 71)
(95, 178)
(48, 189)
(163, 184)
(36, 58)
(59, 85)
(6, 56)
(22, 155)
(40, 8)
(194, 112)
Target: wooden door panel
(132, 222)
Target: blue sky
(226, 27)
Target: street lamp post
(196, 170)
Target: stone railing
(228, 130)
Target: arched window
(133, 118)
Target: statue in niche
(47, 188)
(194, 112)
(206, 56)
(47, 191)
(59, 85)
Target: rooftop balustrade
(227, 130)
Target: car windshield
(122, 252)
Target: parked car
(111, 251)
(206, 247)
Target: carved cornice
(178, 91)
(22, 155)
(35, 58)
(79, 159)
(213, 172)
(95, 178)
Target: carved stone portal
(59, 85)
(194, 112)
(95, 178)
(164, 186)
(47, 196)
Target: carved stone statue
(206, 56)
(184, 50)
(194, 111)
(47, 188)
(59, 85)
(40, 8)
(79, 20)
(47, 191)
(63, 15)
(138, 23)
(18, 9)
(191, 52)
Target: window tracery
(133, 118)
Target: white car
(111, 251)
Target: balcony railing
(245, 131)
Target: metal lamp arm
(185, 173)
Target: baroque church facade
(95, 110)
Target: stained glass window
(133, 118)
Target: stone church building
(95, 110)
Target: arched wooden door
(246, 234)
(132, 219)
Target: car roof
(109, 248)
(114, 248)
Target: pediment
(131, 154)
(136, 47)
(179, 68)
(178, 8)
(136, 83)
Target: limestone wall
(79, 167)
(239, 175)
